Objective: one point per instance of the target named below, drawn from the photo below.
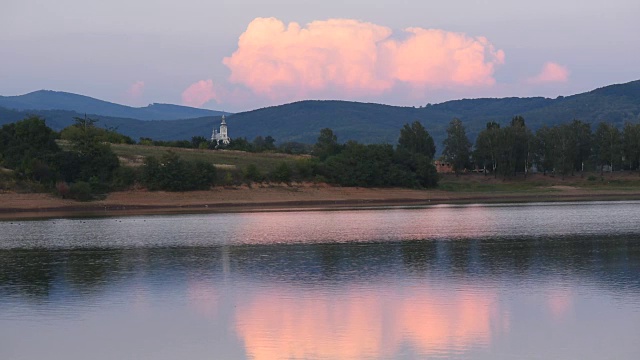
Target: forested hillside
(371, 123)
(374, 123)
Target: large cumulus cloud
(354, 57)
(351, 58)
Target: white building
(221, 136)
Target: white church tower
(221, 136)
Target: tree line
(31, 159)
(561, 149)
(85, 166)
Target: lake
(521, 281)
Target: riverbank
(295, 197)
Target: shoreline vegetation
(465, 189)
(88, 171)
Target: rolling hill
(58, 100)
(369, 123)
(372, 123)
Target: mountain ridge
(82, 104)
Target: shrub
(80, 191)
(62, 188)
(306, 168)
(172, 173)
(251, 173)
(123, 178)
(282, 173)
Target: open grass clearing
(133, 155)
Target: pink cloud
(551, 73)
(354, 58)
(199, 93)
(135, 90)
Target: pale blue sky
(101, 48)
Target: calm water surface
(537, 281)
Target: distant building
(221, 136)
(443, 167)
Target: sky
(242, 55)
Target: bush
(228, 178)
(306, 168)
(7, 179)
(200, 175)
(282, 173)
(80, 191)
(123, 178)
(172, 173)
(251, 173)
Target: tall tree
(415, 151)
(522, 142)
(566, 148)
(581, 140)
(631, 145)
(607, 146)
(457, 146)
(326, 145)
(546, 148)
(415, 139)
(487, 147)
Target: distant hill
(155, 129)
(373, 123)
(58, 100)
(302, 121)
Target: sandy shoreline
(277, 198)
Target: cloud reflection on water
(365, 323)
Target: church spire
(223, 135)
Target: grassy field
(619, 180)
(133, 155)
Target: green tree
(415, 152)
(631, 145)
(516, 148)
(487, 147)
(197, 141)
(415, 139)
(28, 146)
(607, 146)
(457, 147)
(581, 141)
(366, 165)
(269, 143)
(566, 148)
(522, 142)
(546, 149)
(241, 144)
(91, 159)
(326, 145)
